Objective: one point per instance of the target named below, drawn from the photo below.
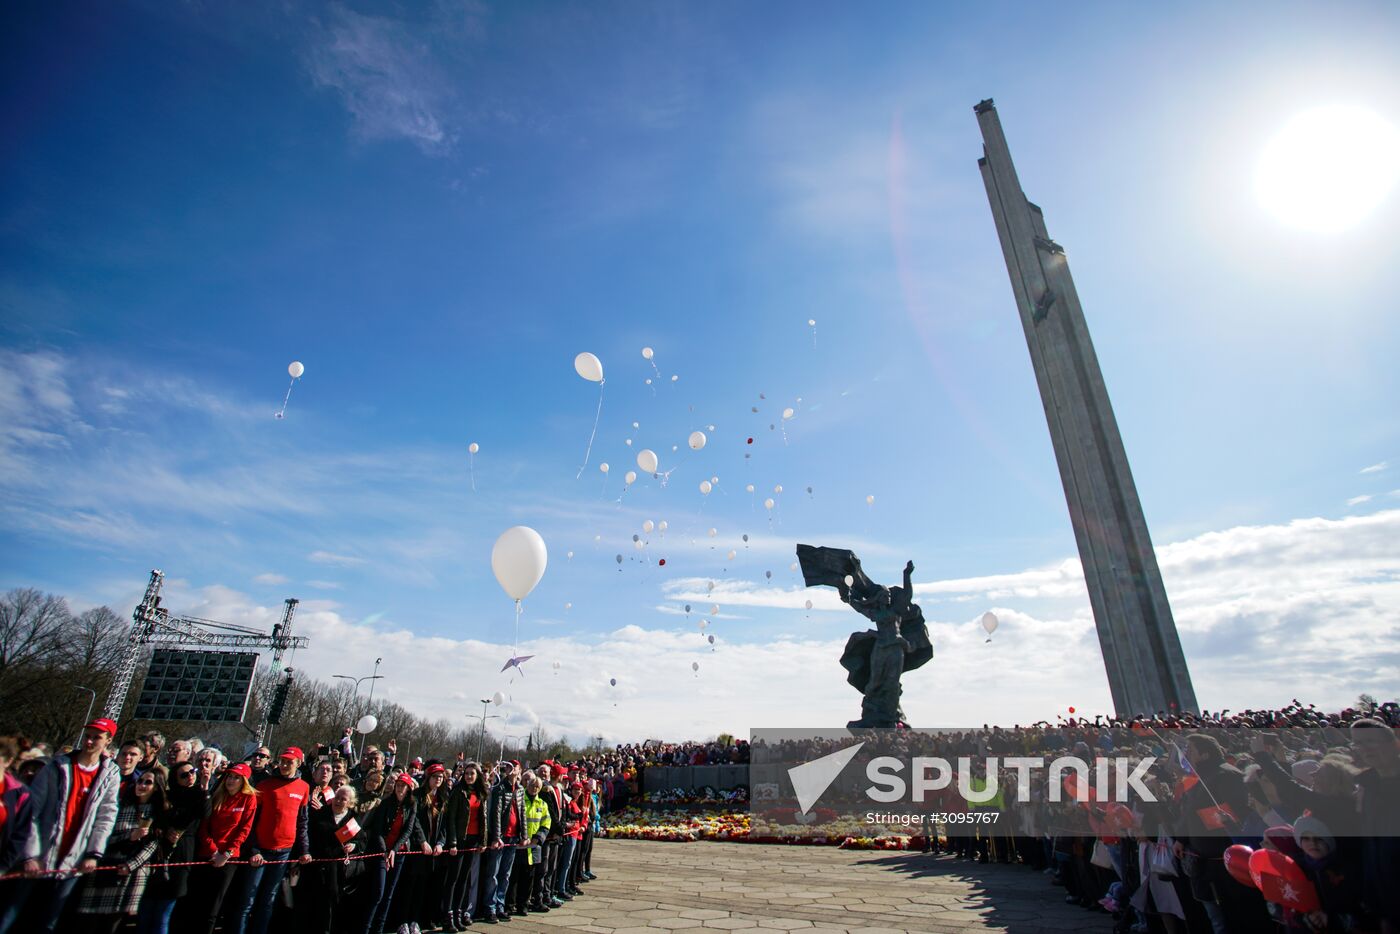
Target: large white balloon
(367, 723)
(589, 367)
(646, 459)
(989, 622)
(296, 369)
(498, 698)
(518, 561)
(697, 440)
(630, 477)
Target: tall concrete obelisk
(1146, 668)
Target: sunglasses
(184, 774)
(262, 755)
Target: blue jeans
(258, 888)
(153, 917)
(561, 872)
(50, 895)
(495, 876)
(381, 883)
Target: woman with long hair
(391, 829)
(177, 829)
(464, 836)
(110, 896)
(335, 837)
(219, 840)
(424, 880)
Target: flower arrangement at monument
(679, 826)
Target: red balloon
(1282, 882)
(750, 441)
(1071, 710)
(663, 562)
(1237, 864)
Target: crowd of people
(1320, 790)
(178, 838)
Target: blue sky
(436, 206)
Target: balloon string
(589, 451)
(287, 398)
(471, 466)
(515, 647)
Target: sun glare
(1328, 168)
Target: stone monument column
(1141, 650)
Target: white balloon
(498, 698)
(556, 666)
(714, 479)
(636, 424)
(568, 606)
(809, 604)
(368, 723)
(694, 666)
(518, 560)
(749, 488)
(732, 553)
(589, 367)
(791, 567)
(787, 413)
(674, 378)
(870, 501)
(778, 489)
(647, 353)
(628, 442)
(697, 440)
(646, 459)
(296, 369)
(768, 503)
(473, 447)
(706, 487)
(648, 380)
(603, 467)
(812, 322)
(639, 545)
(989, 622)
(714, 532)
(570, 555)
(647, 526)
(704, 623)
(630, 477)
(714, 609)
(850, 580)
(661, 526)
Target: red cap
(560, 772)
(241, 768)
(515, 762)
(576, 787)
(418, 760)
(292, 752)
(104, 725)
(435, 768)
(406, 779)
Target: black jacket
(375, 831)
(502, 797)
(452, 827)
(552, 797)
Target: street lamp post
(87, 719)
(371, 679)
(514, 737)
(485, 701)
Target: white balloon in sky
(568, 606)
(473, 447)
(778, 489)
(811, 322)
(704, 623)
(768, 503)
(732, 553)
(706, 487)
(674, 378)
(518, 560)
(498, 698)
(714, 532)
(791, 567)
(697, 440)
(570, 556)
(787, 413)
(589, 367)
(870, 500)
(809, 604)
(989, 622)
(714, 479)
(646, 459)
(850, 580)
(296, 369)
(603, 467)
(647, 353)
(661, 526)
(714, 609)
(749, 488)
(639, 545)
(647, 526)
(368, 723)
(630, 477)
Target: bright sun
(1329, 167)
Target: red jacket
(282, 815)
(226, 827)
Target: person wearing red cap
(464, 835)
(571, 813)
(426, 877)
(279, 837)
(222, 833)
(392, 829)
(74, 803)
(549, 867)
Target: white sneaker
(405, 929)
(413, 928)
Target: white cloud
(324, 585)
(331, 558)
(1375, 468)
(385, 79)
(1358, 500)
(269, 579)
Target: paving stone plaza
(649, 886)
